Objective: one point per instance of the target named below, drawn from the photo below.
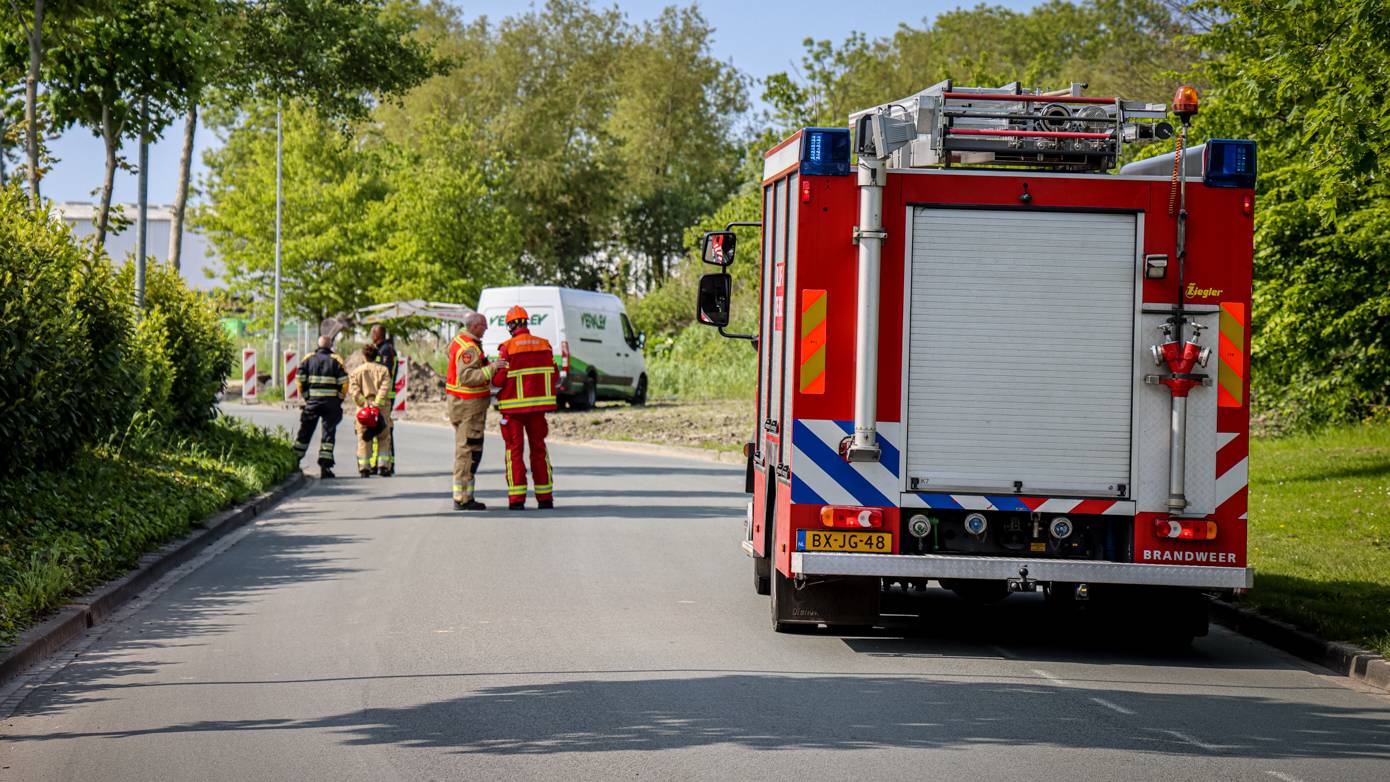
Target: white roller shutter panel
(1021, 351)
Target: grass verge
(1320, 532)
(65, 531)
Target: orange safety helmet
(517, 313)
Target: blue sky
(759, 36)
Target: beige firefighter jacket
(370, 385)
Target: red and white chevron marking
(1080, 507)
(1232, 473)
(291, 375)
(402, 383)
(248, 375)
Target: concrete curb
(1346, 660)
(90, 609)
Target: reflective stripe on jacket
(528, 382)
(368, 385)
(467, 375)
(322, 377)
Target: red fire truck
(987, 362)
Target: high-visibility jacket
(528, 383)
(386, 356)
(322, 378)
(368, 385)
(468, 374)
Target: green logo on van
(592, 321)
(500, 320)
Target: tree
(445, 234)
(1129, 48)
(32, 26)
(537, 90)
(1307, 80)
(125, 70)
(673, 124)
(330, 186)
(342, 56)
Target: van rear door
(544, 323)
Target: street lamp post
(277, 359)
(142, 196)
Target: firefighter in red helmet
(527, 393)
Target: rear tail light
(1185, 529)
(851, 517)
(565, 356)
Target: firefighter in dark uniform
(323, 383)
(383, 459)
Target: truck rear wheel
(762, 575)
(781, 588)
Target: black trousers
(331, 414)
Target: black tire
(639, 397)
(762, 575)
(587, 398)
(780, 584)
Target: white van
(596, 347)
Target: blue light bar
(825, 151)
(1229, 163)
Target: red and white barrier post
(248, 376)
(402, 383)
(291, 376)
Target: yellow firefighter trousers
(469, 417)
(377, 452)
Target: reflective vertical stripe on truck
(1230, 376)
(813, 307)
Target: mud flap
(829, 601)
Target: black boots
(470, 505)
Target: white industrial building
(198, 261)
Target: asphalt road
(365, 631)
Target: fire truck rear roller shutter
(1021, 350)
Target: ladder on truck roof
(1061, 130)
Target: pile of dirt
(716, 425)
(720, 426)
(426, 385)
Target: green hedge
(107, 443)
(80, 366)
(64, 531)
(65, 342)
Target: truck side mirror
(715, 292)
(641, 340)
(717, 248)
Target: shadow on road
(194, 612)
(765, 711)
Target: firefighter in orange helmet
(527, 393)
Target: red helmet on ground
(517, 314)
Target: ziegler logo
(1193, 292)
(591, 321)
